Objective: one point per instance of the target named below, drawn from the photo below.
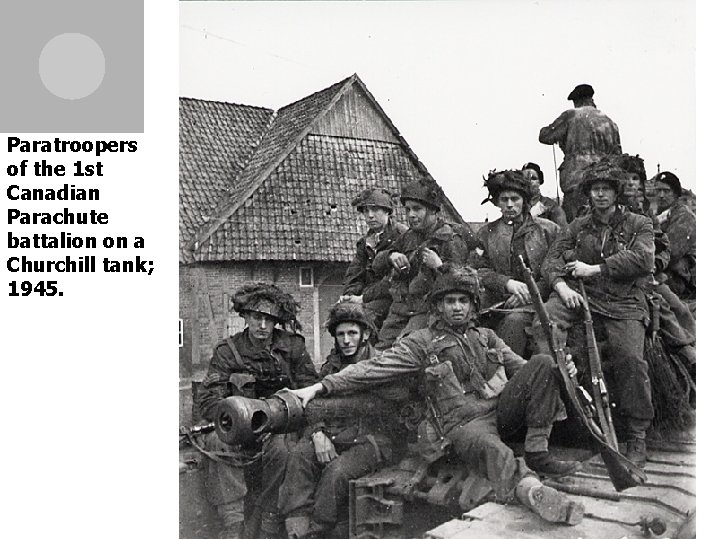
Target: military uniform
(361, 279)
(363, 444)
(501, 243)
(624, 249)
(408, 310)
(585, 135)
(238, 367)
(547, 208)
(466, 372)
(678, 222)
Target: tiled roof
(291, 200)
(287, 129)
(303, 211)
(216, 141)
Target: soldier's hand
(308, 393)
(581, 269)
(572, 299)
(519, 289)
(355, 298)
(430, 259)
(571, 368)
(513, 302)
(324, 448)
(399, 261)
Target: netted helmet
(456, 278)
(603, 170)
(348, 312)
(268, 299)
(374, 197)
(426, 192)
(510, 180)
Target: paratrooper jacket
(625, 251)
(412, 286)
(237, 367)
(463, 371)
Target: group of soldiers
(437, 316)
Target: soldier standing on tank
(585, 135)
(612, 250)
(254, 363)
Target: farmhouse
(265, 195)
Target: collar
(617, 217)
(279, 342)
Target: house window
(307, 279)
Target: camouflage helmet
(348, 312)
(456, 278)
(631, 164)
(603, 170)
(510, 180)
(266, 298)
(374, 197)
(426, 192)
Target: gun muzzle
(241, 420)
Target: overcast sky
(468, 84)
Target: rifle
(622, 472)
(599, 388)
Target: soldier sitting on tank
(540, 205)
(414, 259)
(515, 233)
(255, 363)
(314, 495)
(470, 401)
(362, 283)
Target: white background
(90, 395)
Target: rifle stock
(622, 472)
(599, 386)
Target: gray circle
(72, 66)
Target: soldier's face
(418, 215)
(348, 337)
(632, 186)
(534, 178)
(376, 217)
(260, 325)
(664, 195)
(456, 308)
(602, 195)
(510, 204)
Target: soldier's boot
(232, 516)
(545, 464)
(550, 504)
(297, 526)
(539, 459)
(636, 451)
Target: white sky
(468, 84)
